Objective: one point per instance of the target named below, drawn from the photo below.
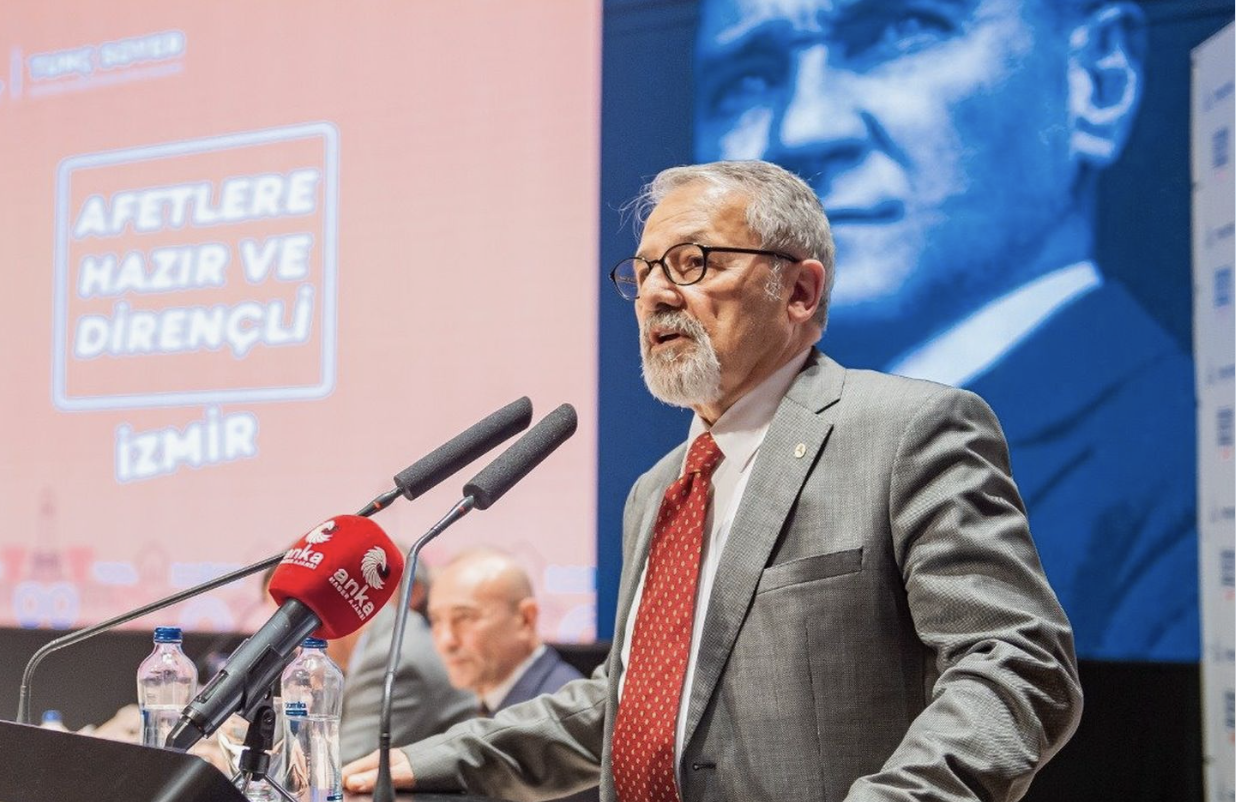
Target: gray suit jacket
(424, 701)
(880, 627)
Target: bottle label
(295, 709)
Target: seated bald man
(484, 620)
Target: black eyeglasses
(683, 264)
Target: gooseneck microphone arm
(23, 697)
(411, 482)
(462, 508)
(485, 488)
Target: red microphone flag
(344, 570)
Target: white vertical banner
(1214, 345)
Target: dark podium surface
(38, 765)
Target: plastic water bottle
(166, 682)
(312, 704)
(52, 720)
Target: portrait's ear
(1106, 58)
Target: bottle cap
(167, 635)
(52, 717)
(314, 643)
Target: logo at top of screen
(374, 573)
(306, 556)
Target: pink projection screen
(260, 258)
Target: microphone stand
(485, 488)
(254, 762)
(23, 696)
(384, 789)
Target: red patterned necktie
(646, 724)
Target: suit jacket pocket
(806, 569)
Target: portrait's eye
(915, 29)
(888, 31)
(749, 80)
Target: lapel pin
(799, 450)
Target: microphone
(431, 469)
(414, 480)
(485, 488)
(517, 461)
(328, 585)
(478, 439)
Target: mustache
(676, 321)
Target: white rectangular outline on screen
(330, 136)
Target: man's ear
(529, 612)
(807, 289)
(1106, 55)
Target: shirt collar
(497, 694)
(741, 428)
(965, 351)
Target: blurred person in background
(484, 620)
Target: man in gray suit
(863, 615)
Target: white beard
(686, 375)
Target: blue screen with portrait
(1007, 184)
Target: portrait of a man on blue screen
(956, 146)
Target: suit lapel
(529, 683)
(794, 441)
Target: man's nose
(657, 291)
(444, 638)
(822, 126)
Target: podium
(50, 766)
(38, 765)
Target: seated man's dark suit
(547, 674)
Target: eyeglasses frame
(707, 250)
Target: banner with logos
(1214, 343)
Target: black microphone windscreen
(514, 464)
(445, 460)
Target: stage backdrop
(1008, 183)
(261, 258)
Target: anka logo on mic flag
(373, 571)
(373, 566)
(304, 555)
(322, 533)
(344, 570)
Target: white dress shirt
(738, 433)
(970, 347)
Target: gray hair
(782, 210)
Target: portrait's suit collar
(794, 441)
(1121, 342)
